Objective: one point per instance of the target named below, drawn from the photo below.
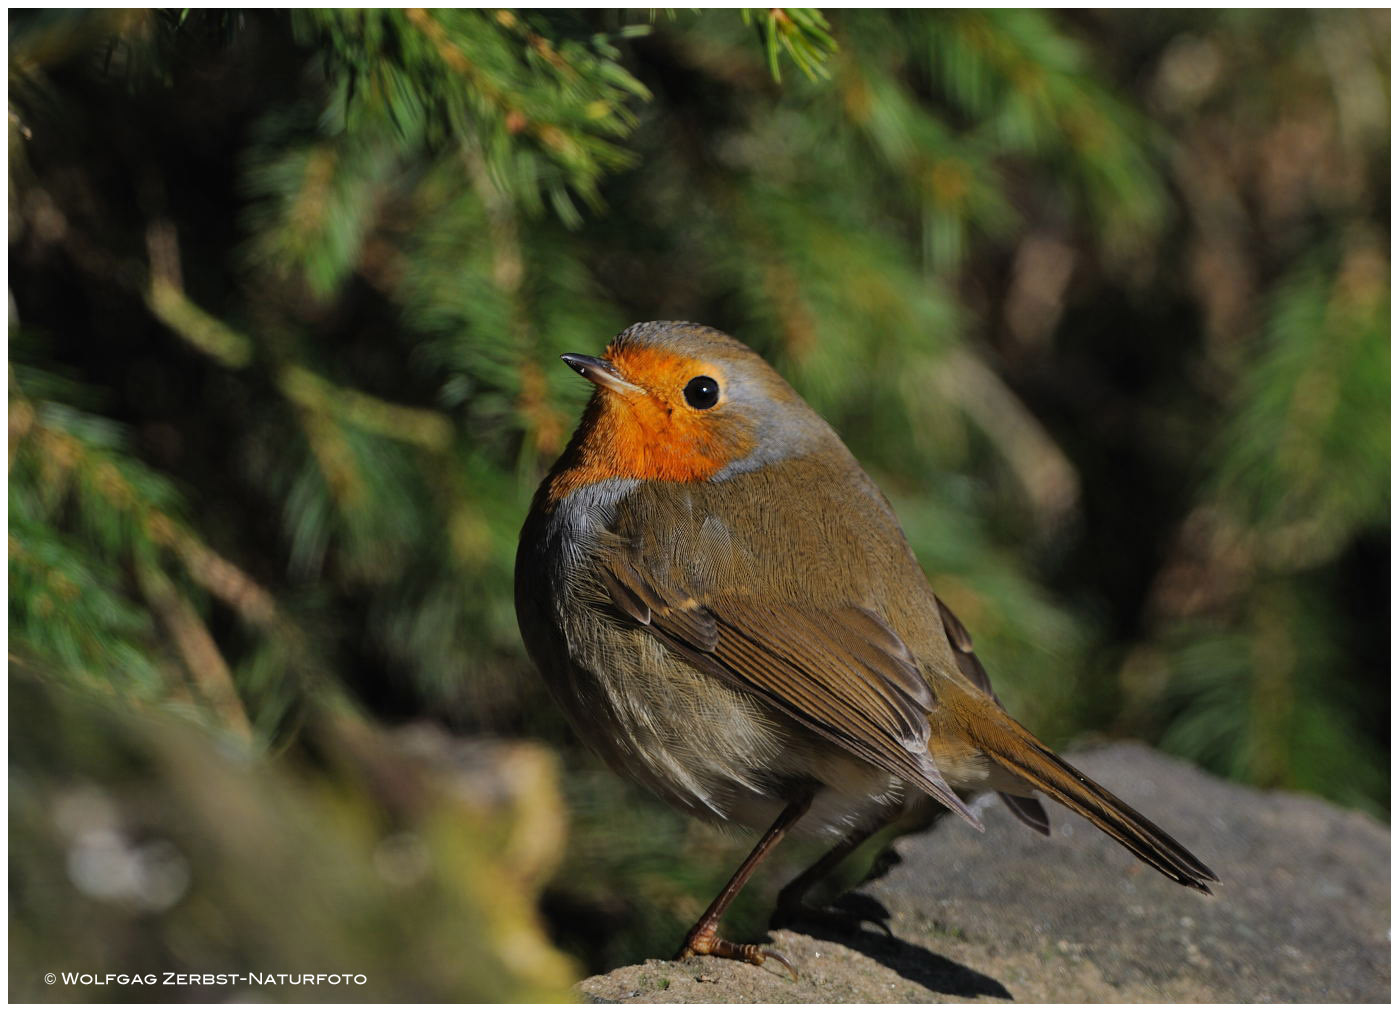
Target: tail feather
(1028, 811)
(1002, 739)
(1140, 835)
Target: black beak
(599, 371)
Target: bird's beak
(601, 372)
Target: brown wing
(1027, 810)
(841, 672)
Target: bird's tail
(1002, 739)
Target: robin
(725, 607)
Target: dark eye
(702, 392)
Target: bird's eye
(702, 392)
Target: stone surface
(1302, 914)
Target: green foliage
(81, 514)
(1302, 467)
(1100, 298)
(801, 32)
(540, 109)
(1305, 456)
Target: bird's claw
(709, 944)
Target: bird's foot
(848, 915)
(705, 942)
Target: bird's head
(681, 402)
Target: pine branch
(801, 32)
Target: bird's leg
(791, 901)
(703, 939)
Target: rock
(1302, 914)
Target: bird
(725, 607)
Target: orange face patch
(651, 434)
(662, 372)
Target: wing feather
(1027, 810)
(841, 672)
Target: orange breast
(640, 436)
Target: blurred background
(1100, 299)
